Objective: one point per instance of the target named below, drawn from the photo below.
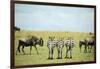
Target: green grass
(33, 59)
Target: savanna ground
(42, 58)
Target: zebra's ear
(49, 37)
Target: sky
(54, 18)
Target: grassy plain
(33, 59)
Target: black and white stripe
(69, 45)
(51, 43)
(60, 45)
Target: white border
(5, 34)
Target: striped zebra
(60, 45)
(51, 43)
(69, 43)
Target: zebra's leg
(23, 50)
(30, 49)
(58, 53)
(66, 52)
(61, 54)
(70, 53)
(36, 49)
(51, 54)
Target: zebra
(60, 45)
(69, 43)
(51, 43)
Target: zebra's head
(51, 38)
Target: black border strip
(54, 4)
(60, 64)
(95, 33)
(12, 7)
(12, 66)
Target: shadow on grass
(28, 54)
